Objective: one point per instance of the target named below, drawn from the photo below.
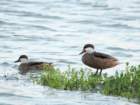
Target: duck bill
(17, 61)
(81, 52)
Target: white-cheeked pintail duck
(27, 65)
(97, 60)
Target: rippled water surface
(55, 31)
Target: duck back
(99, 60)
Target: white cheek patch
(89, 50)
(23, 60)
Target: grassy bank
(126, 84)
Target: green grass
(68, 80)
(126, 84)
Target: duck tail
(120, 62)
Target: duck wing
(38, 63)
(35, 63)
(104, 56)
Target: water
(55, 31)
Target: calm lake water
(55, 31)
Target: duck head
(22, 59)
(88, 48)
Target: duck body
(27, 65)
(99, 60)
(32, 66)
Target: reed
(126, 84)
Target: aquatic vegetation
(69, 80)
(126, 84)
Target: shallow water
(55, 31)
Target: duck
(97, 60)
(26, 65)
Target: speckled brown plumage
(97, 60)
(25, 67)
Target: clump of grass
(126, 84)
(69, 80)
